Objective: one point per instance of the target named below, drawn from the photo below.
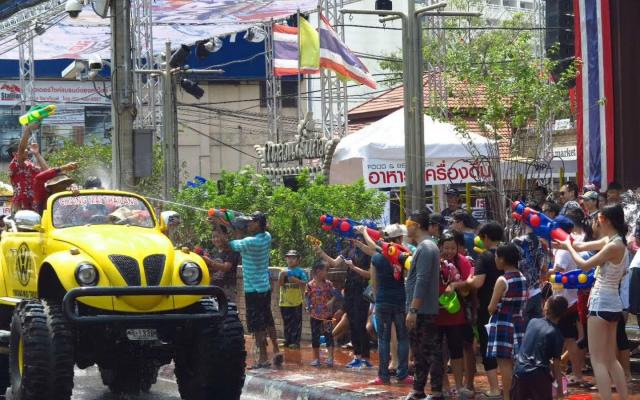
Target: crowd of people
(457, 301)
(467, 292)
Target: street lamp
(413, 91)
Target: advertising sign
(380, 174)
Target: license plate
(142, 334)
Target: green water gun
(37, 113)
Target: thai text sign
(293, 151)
(390, 174)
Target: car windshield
(100, 209)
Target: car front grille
(128, 268)
(153, 268)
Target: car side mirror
(38, 228)
(163, 227)
(28, 221)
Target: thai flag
(285, 50)
(594, 89)
(335, 55)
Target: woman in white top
(605, 304)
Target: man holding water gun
(22, 171)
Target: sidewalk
(298, 380)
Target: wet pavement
(296, 380)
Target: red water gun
(542, 225)
(346, 228)
(397, 255)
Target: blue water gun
(542, 225)
(346, 228)
(576, 279)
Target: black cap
(260, 218)
(292, 253)
(93, 182)
(437, 219)
(452, 192)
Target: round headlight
(191, 274)
(87, 275)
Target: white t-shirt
(565, 263)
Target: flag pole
(299, 67)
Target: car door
(24, 252)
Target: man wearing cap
(50, 181)
(389, 311)
(453, 204)
(254, 250)
(292, 282)
(437, 224)
(22, 171)
(591, 203)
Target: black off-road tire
(130, 378)
(47, 342)
(211, 365)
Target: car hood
(102, 241)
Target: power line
(216, 140)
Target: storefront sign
(274, 157)
(56, 92)
(566, 152)
(390, 174)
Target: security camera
(96, 63)
(73, 7)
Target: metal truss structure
(26, 68)
(147, 90)
(333, 91)
(21, 27)
(273, 86)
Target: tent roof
(384, 139)
(178, 21)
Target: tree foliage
(95, 160)
(517, 84)
(291, 214)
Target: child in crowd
(320, 296)
(506, 326)
(542, 343)
(292, 281)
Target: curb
(265, 386)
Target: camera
(95, 63)
(73, 7)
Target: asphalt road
(88, 386)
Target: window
(494, 2)
(289, 93)
(526, 5)
(510, 3)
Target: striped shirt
(255, 261)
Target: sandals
(574, 382)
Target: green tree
(95, 160)
(291, 215)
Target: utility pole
(169, 128)
(123, 111)
(171, 167)
(413, 93)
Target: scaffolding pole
(148, 93)
(273, 88)
(333, 91)
(25, 67)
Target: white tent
(383, 141)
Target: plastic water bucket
(450, 302)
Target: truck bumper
(71, 311)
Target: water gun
(201, 252)
(346, 228)
(229, 218)
(313, 241)
(37, 113)
(393, 252)
(199, 181)
(478, 245)
(542, 225)
(576, 279)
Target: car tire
(40, 352)
(211, 362)
(130, 378)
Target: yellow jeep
(95, 281)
